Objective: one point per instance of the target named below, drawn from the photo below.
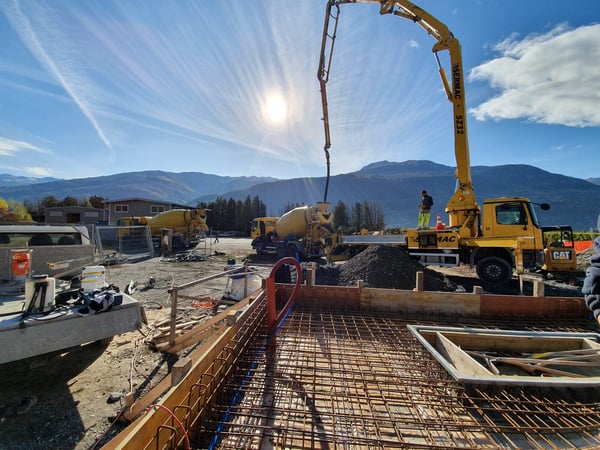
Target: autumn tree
(11, 211)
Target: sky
(91, 88)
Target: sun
(275, 109)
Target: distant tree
(233, 215)
(290, 206)
(69, 201)
(340, 215)
(356, 218)
(244, 215)
(97, 202)
(215, 219)
(379, 219)
(35, 210)
(231, 212)
(50, 201)
(19, 212)
(367, 221)
(373, 218)
(4, 210)
(259, 209)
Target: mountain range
(394, 186)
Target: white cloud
(38, 171)
(10, 147)
(551, 78)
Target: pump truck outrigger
(507, 236)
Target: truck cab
(261, 226)
(508, 238)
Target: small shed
(80, 215)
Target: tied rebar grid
(347, 379)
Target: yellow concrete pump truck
(505, 236)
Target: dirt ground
(70, 400)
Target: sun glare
(275, 109)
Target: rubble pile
(583, 259)
(381, 266)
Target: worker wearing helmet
(425, 210)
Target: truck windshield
(533, 214)
(515, 213)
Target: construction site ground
(72, 399)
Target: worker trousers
(424, 217)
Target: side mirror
(545, 206)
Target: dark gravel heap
(381, 266)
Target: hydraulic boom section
(462, 208)
(323, 75)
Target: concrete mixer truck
(188, 223)
(304, 232)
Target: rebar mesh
(339, 379)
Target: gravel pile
(381, 266)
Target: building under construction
(322, 367)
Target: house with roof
(137, 207)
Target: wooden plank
(197, 333)
(507, 305)
(507, 343)
(426, 302)
(465, 365)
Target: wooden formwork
(189, 399)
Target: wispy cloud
(41, 37)
(133, 66)
(549, 78)
(10, 147)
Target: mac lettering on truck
(447, 239)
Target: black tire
(494, 270)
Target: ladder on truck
(309, 241)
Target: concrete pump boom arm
(462, 206)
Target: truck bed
(36, 334)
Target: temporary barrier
(580, 246)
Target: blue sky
(90, 88)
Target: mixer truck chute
(304, 232)
(507, 236)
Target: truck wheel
(494, 270)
